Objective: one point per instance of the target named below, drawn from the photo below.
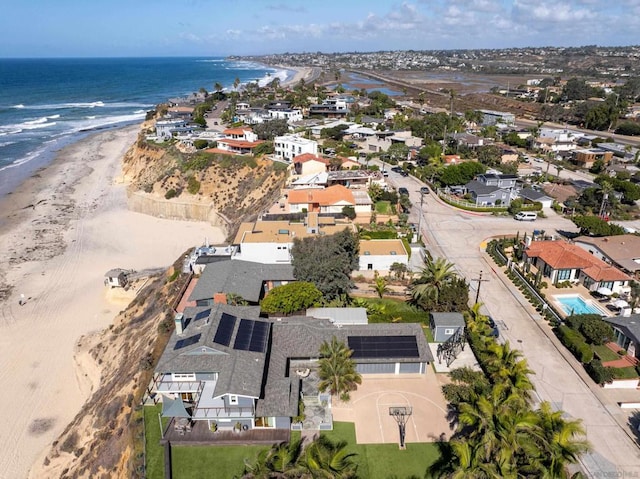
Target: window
(564, 274)
(233, 400)
(448, 331)
(606, 284)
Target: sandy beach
(59, 233)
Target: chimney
(179, 320)
(220, 298)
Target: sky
(130, 28)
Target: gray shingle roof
(629, 325)
(239, 372)
(534, 195)
(447, 319)
(301, 337)
(244, 278)
(480, 189)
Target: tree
(432, 279)
(279, 461)
(398, 152)
(594, 226)
(326, 261)
(268, 130)
(596, 331)
(324, 459)
(337, 371)
(218, 87)
(399, 270)
(291, 297)
(349, 212)
(380, 285)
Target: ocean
(46, 104)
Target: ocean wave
(137, 112)
(88, 104)
(101, 122)
(18, 106)
(91, 117)
(217, 60)
(25, 159)
(39, 121)
(6, 143)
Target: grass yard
(194, 462)
(392, 309)
(383, 461)
(625, 373)
(384, 208)
(155, 453)
(604, 353)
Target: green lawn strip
(154, 451)
(604, 353)
(382, 461)
(625, 373)
(383, 207)
(191, 462)
(394, 308)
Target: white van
(526, 216)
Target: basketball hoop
(401, 415)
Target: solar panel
(259, 337)
(183, 343)
(225, 329)
(367, 347)
(202, 315)
(243, 336)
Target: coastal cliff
(167, 181)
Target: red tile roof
(236, 131)
(562, 255)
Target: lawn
(392, 309)
(604, 353)
(191, 462)
(155, 452)
(383, 461)
(384, 208)
(625, 373)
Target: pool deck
(577, 290)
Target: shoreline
(61, 230)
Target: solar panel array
(252, 336)
(202, 315)
(183, 343)
(367, 347)
(225, 329)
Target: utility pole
(480, 281)
(420, 214)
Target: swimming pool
(576, 304)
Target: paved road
(460, 236)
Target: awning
(173, 407)
(604, 291)
(620, 303)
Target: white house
(379, 255)
(289, 115)
(289, 146)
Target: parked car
(403, 191)
(425, 190)
(404, 173)
(526, 216)
(495, 332)
(396, 169)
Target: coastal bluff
(166, 182)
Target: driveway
(369, 409)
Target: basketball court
(369, 409)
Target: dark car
(425, 190)
(403, 191)
(404, 173)
(495, 332)
(396, 169)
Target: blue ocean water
(48, 103)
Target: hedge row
(575, 343)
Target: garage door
(381, 368)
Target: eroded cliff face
(225, 190)
(105, 439)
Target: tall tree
(324, 459)
(338, 373)
(432, 279)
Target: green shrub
(598, 372)
(574, 342)
(170, 194)
(193, 185)
(200, 144)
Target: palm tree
(558, 445)
(337, 372)
(380, 285)
(324, 459)
(431, 279)
(508, 371)
(218, 87)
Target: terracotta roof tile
(323, 197)
(303, 158)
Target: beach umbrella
(620, 303)
(604, 291)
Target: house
(445, 325)
(626, 332)
(227, 365)
(491, 117)
(622, 251)
(270, 242)
(484, 195)
(291, 115)
(586, 157)
(379, 255)
(309, 164)
(535, 196)
(165, 129)
(116, 278)
(351, 178)
(556, 140)
(247, 279)
(561, 261)
(287, 147)
(468, 140)
(331, 107)
(329, 200)
(239, 141)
